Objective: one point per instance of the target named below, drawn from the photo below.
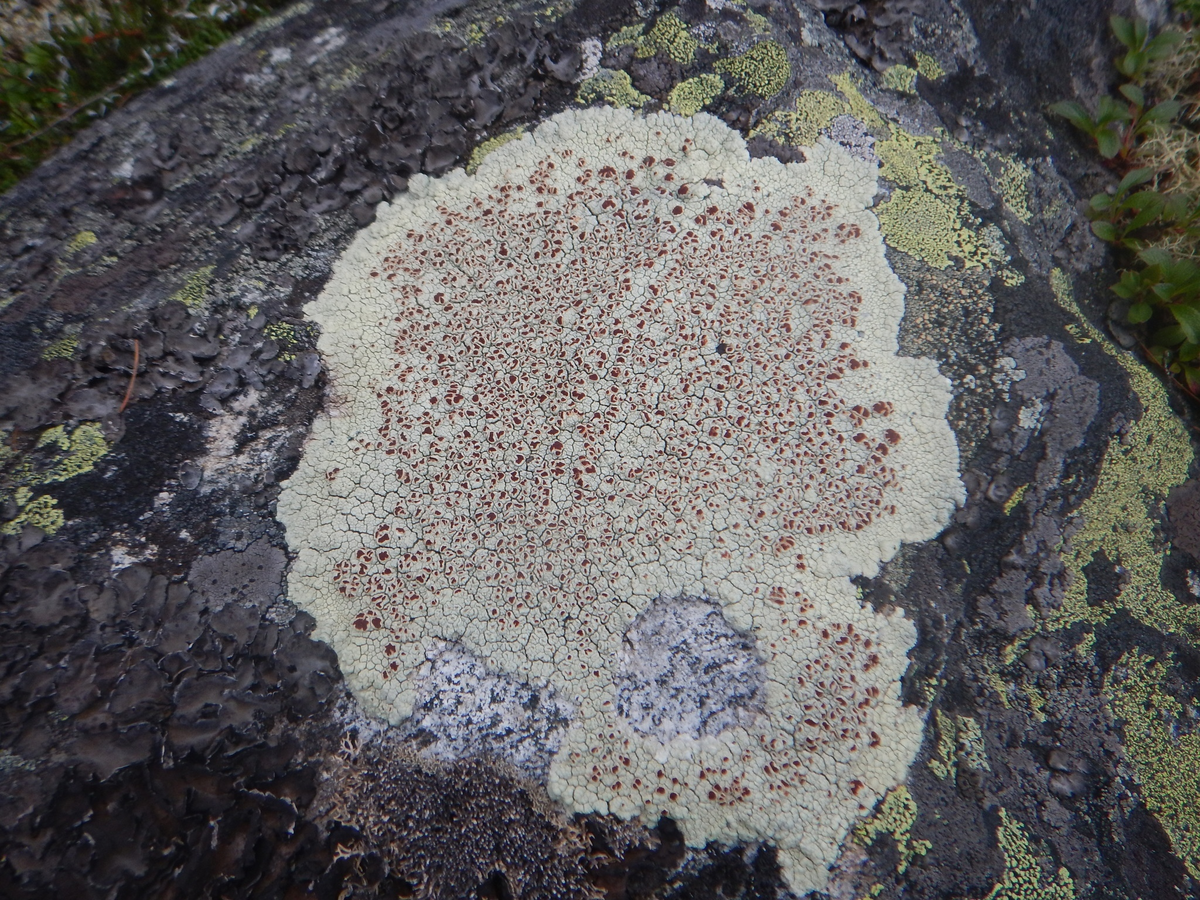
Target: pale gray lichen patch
(465, 709)
(684, 670)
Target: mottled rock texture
(168, 725)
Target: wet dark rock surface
(168, 725)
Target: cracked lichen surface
(625, 361)
(928, 215)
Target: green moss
(764, 69)
(901, 79)
(895, 815)
(934, 228)
(1164, 748)
(486, 147)
(1120, 517)
(613, 87)
(670, 37)
(194, 292)
(689, 97)
(1024, 877)
(802, 125)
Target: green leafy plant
(1140, 217)
(95, 56)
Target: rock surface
(169, 728)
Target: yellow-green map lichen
(1119, 520)
(670, 37)
(1024, 877)
(764, 69)
(1159, 736)
(488, 146)
(901, 79)
(896, 815)
(803, 124)
(59, 454)
(612, 86)
(79, 241)
(922, 224)
(194, 292)
(689, 97)
(928, 67)
(959, 743)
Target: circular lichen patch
(621, 362)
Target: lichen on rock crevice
(613, 368)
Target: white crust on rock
(624, 361)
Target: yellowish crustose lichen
(1164, 747)
(670, 37)
(689, 97)
(629, 36)
(1024, 876)
(62, 347)
(611, 86)
(928, 67)
(63, 454)
(928, 216)
(1013, 185)
(802, 125)
(764, 69)
(901, 79)
(1119, 519)
(488, 146)
(934, 228)
(194, 292)
(1015, 499)
(79, 241)
(959, 743)
(896, 815)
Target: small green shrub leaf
(1100, 202)
(1075, 114)
(1163, 112)
(1139, 313)
(1155, 256)
(1105, 231)
(1107, 143)
(1188, 318)
(1134, 178)
(1170, 336)
(1123, 29)
(1133, 94)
